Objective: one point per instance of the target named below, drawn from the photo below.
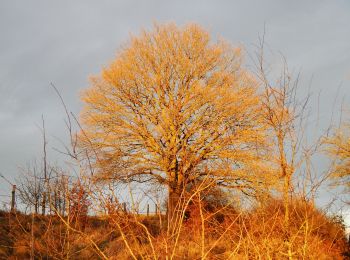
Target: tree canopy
(338, 147)
(174, 107)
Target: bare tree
(31, 187)
(284, 114)
(174, 108)
(338, 148)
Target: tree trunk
(286, 201)
(36, 205)
(173, 206)
(174, 201)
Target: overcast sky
(64, 42)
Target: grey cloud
(66, 41)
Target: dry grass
(224, 234)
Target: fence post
(147, 210)
(124, 206)
(13, 198)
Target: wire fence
(9, 203)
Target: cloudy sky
(64, 42)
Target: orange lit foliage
(338, 147)
(79, 205)
(174, 107)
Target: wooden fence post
(13, 198)
(124, 206)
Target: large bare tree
(174, 108)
